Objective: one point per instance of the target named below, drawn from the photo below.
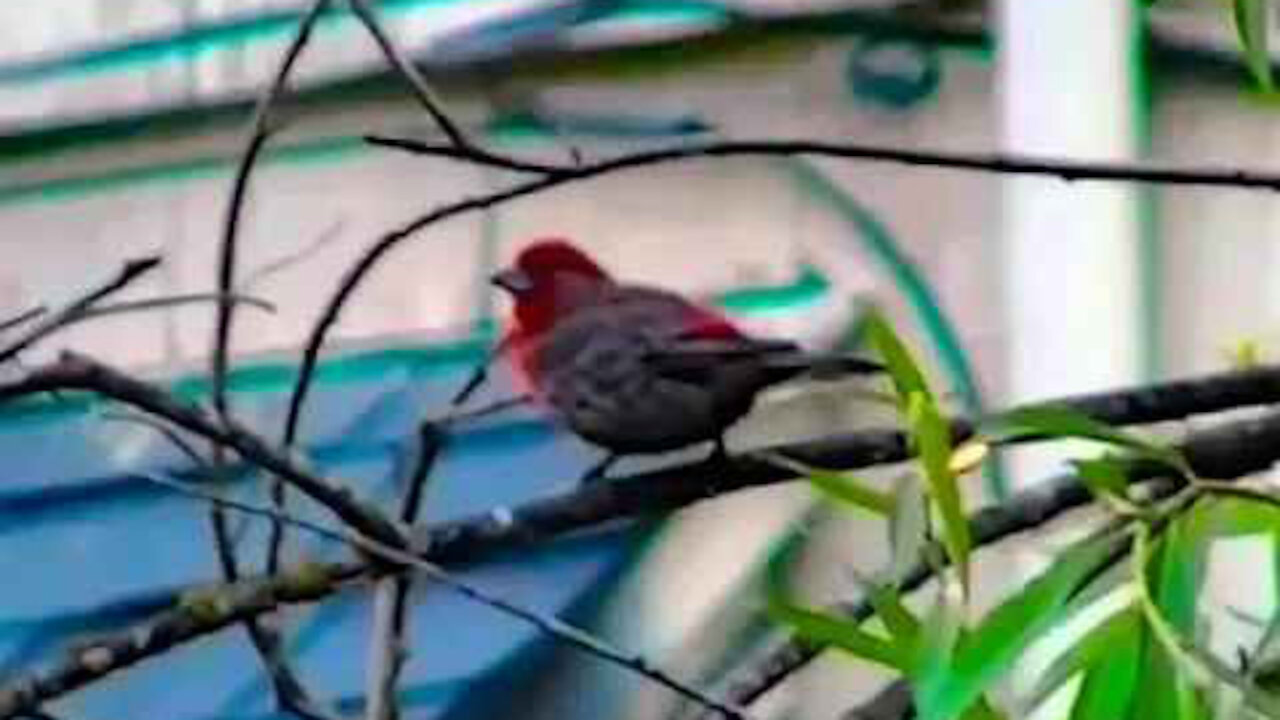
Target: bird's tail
(821, 366)
(780, 360)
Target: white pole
(1070, 251)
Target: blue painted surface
(88, 546)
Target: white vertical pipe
(1070, 253)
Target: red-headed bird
(636, 369)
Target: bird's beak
(513, 281)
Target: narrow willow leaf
(931, 436)
(842, 487)
(903, 369)
(1107, 690)
(1228, 516)
(1121, 630)
(1058, 421)
(937, 639)
(988, 652)
(1251, 27)
(908, 526)
(1104, 476)
(851, 490)
(1184, 661)
(837, 632)
(903, 625)
(821, 627)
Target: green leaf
(936, 641)
(1169, 654)
(1111, 676)
(1121, 630)
(901, 623)
(852, 490)
(1105, 476)
(1228, 516)
(1251, 27)
(837, 632)
(1057, 421)
(990, 650)
(842, 487)
(820, 627)
(837, 486)
(902, 367)
(908, 526)
(931, 436)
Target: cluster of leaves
(1144, 658)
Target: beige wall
(700, 227)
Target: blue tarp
(88, 546)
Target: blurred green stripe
(247, 29)
(61, 189)
(187, 43)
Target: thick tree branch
(51, 322)
(668, 489)
(1225, 451)
(1229, 451)
(76, 372)
(198, 617)
(547, 624)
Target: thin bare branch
(999, 163)
(159, 426)
(388, 649)
(288, 260)
(288, 690)
(291, 694)
(23, 318)
(454, 419)
(76, 372)
(279, 495)
(53, 321)
(368, 261)
(467, 154)
(130, 306)
(421, 90)
(168, 301)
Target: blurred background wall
(121, 121)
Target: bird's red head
(547, 278)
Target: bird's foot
(719, 453)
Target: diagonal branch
(421, 90)
(130, 306)
(1225, 451)
(53, 321)
(1230, 451)
(216, 610)
(76, 372)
